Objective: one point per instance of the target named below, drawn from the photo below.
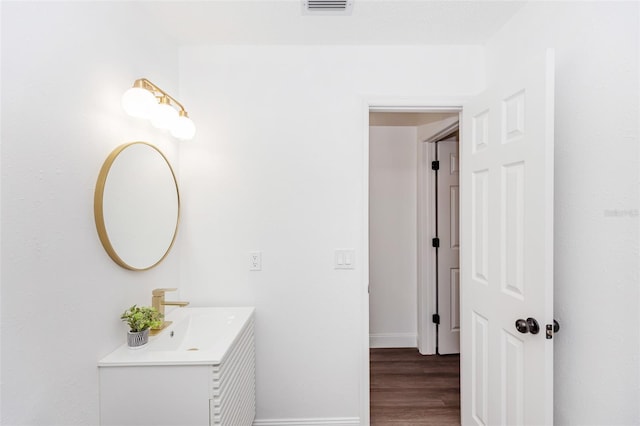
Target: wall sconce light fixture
(146, 100)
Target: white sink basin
(196, 336)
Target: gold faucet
(158, 302)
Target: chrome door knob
(530, 325)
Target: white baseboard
(393, 340)
(328, 421)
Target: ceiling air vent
(327, 7)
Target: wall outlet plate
(255, 261)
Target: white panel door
(449, 250)
(507, 246)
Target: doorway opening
(413, 258)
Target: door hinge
(435, 242)
(436, 319)
(435, 165)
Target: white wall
(64, 68)
(278, 165)
(393, 236)
(596, 201)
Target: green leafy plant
(140, 318)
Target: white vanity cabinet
(233, 401)
(185, 392)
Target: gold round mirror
(137, 206)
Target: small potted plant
(140, 319)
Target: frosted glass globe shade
(183, 128)
(163, 117)
(138, 102)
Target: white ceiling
(371, 22)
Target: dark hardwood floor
(410, 389)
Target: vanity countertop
(197, 336)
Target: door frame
(427, 279)
(390, 104)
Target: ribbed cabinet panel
(232, 401)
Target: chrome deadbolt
(530, 325)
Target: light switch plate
(255, 261)
(344, 259)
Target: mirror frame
(98, 206)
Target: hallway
(413, 390)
